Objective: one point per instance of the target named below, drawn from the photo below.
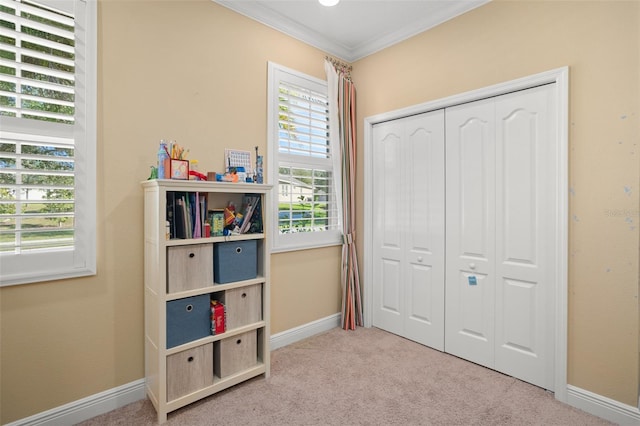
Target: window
(47, 139)
(300, 162)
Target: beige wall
(186, 70)
(600, 42)
(196, 72)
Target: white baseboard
(603, 407)
(103, 402)
(87, 408)
(292, 335)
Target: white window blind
(301, 163)
(37, 62)
(47, 139)
(303, 121)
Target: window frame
(300, 240)
(56, 264)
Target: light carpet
(367, 377)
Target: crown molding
(451, 11)
(259, 12)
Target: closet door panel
(408, 289)
(390, 175)
(389, 277)
(391, 287)
(525, 210)
(517, 166)
(471, 302)
(473, 141)
(424, 318)
(420, 307)
(470, 230)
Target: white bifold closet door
(501, 191)
(408, 204)
(464, 204)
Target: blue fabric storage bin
(235, 261)
(188, 319)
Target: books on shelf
(252, 214)
(186, 213)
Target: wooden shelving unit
(188, 371)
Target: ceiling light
(328, 2)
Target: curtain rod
(340, 66)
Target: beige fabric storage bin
(243, 306)
(189, 371)
(189, 267)
(235, 354)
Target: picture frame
(179, 169)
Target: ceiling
(352, 29)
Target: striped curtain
(342, 110)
